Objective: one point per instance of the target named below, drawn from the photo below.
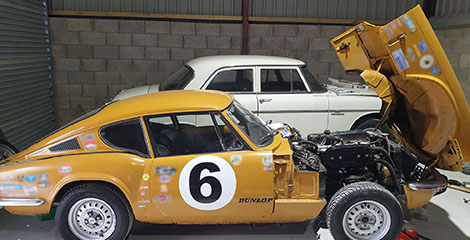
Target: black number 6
(195, 183)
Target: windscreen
(178, 80)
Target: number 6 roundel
(207, 183)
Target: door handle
(263, 100)
(338, 113)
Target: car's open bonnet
(405, 64)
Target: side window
(183, 137)
(239, 80)
(281, 80)
(230, 141)
(125, 135)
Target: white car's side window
(281, 80)
(233, 80)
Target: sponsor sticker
(163, 188)
(389, 34)
(7, 178)
(90, 145)
(422, 46)
(411, 25)
(436, 70)
(43, 177)
(255, 200)
(268, 169)
(20, 178)
(236, 159)
(43, 185)
(410, 54)
(267, 160)
(30, 178)
(426, 61)
(145, 177)
(142, 206)
(144, 201)
(142, 193)
(7, 187)
(65, 169)
(30, 189)
(400, 60)
(144, 187)
(394, 25)
(163, 198)
(164, 178)
(89, 136)
(165, 170)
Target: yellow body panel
(405, 64)
(416, 199)
(153, 194)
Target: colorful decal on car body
(426, 61)
(65, 169)
(236, 159)
(422, 46)
(30, 178)
(163, 198)
(436, 70)
(255, 200)
(7, 178)
(411, 25)
(7, 187)
(89, 136)
(268, 169)
(145, 177)
(410, 54)
(142, 206)
(43, 177)
(30, 189)
(401, 62)
(90, 145)
(144, 201)
(43, 185)
(207, 183)
(164, 178)
(144, 187)
(388, 32)
(165, 170)
(20, 178)
(142, 193)
(267, 160)
(163, 188)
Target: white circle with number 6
(207, 183)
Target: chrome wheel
(6, 152)
(92, 218)
(367, 220)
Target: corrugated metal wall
(452, 7)
(337, 9)
(26, 87)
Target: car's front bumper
(20, 202)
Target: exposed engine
(358, 155)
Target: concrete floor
(446, 217)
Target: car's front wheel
(364, 210)
(93, 211)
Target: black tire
(369, 202)
(123, 214)
(372, 123)
(6, 150)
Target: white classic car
(278, 89)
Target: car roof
(216, 62)
(168, 102)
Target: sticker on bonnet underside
(400, 60)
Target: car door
(237, 81)
(205, 173)
(284, 97)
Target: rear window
(177, 80)
(126, 135)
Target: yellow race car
(194, 157)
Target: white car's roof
(216, 62)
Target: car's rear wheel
(93, 211)
(364, 210)
(6, 150)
